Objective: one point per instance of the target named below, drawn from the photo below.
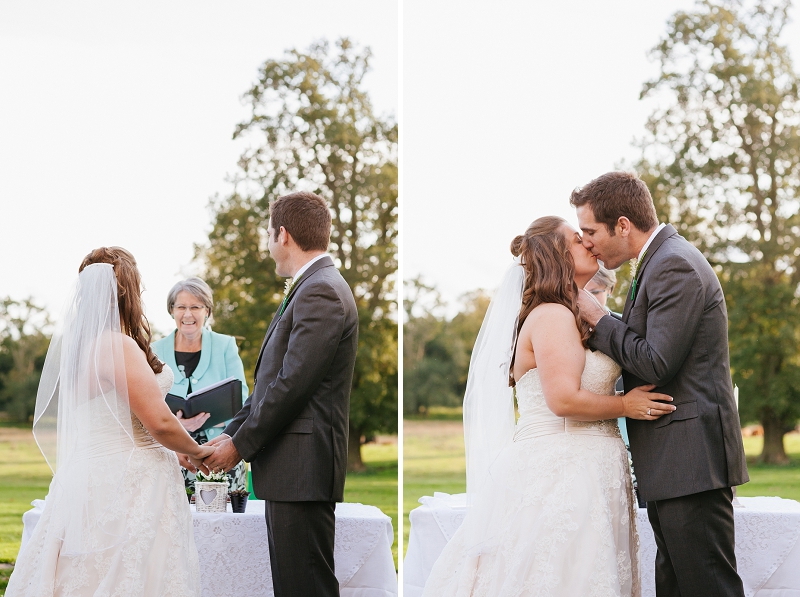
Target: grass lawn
(378, 485)
(433, 453)
(26, 477)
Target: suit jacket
(294, 426)
(674, 334)
(219, 359)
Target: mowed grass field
(26, 477)
(433, 453)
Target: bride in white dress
(116, 520)
(550, 496)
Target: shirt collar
(307, 265)
(649, 240)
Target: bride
(116, 520)
(550, 498)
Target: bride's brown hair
(129, 283)
(549, 270)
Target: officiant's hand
(591, 310)
(193, 423)
(226, 456)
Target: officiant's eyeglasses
(193, 308)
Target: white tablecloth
(234, 556)
(767, 546)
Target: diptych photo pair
(400, 299)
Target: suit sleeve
(317, 328)
(676, 304)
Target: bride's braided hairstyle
(549, 270)
(129, 288)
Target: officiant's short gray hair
(194, 286)
(605, 278)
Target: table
(767, 545)
(234, 556)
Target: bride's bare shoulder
(553, 311)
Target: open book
(221, 400)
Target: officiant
(199, 358)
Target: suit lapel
(320, 263)
(665, 233)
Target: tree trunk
(354, 462)
(774, 429)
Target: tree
(437, 351)
(311, 127)
(722, 159)
(23, 346)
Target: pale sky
(506, 108)
(117, 118)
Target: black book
(221, 400)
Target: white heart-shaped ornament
(208, 495)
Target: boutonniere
(287, 290)
(636, 276)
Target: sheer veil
(82, 420)
(488, 401)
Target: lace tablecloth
(767, 546)
(234, 556)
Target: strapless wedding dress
(557, 517)
(157, 558)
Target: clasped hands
(218, 454)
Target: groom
(293, 427)
(673, 333)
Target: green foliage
(722, 159)
(23, 346)
(311, 127)
(437, 350)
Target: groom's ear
(623, 227)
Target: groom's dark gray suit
(674, 334)
(293, 428)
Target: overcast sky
(507, 107)
(116, 124)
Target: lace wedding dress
(557, 519)
(156, 555)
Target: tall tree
(311, 126)
(24, 340)
(722, 159)
(437, 350)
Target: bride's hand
(640, 403)
(202, 453)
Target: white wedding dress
(557, 517)
(156, 555)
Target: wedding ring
(648, 412)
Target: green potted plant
(239, 500)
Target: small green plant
(238, 493)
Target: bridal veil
(82, 420)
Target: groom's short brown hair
(305, 216)
(618, 194)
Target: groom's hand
(225, 457)
(591, 310)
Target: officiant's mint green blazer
(219, 359)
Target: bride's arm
(560, 358)
(148, 405)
